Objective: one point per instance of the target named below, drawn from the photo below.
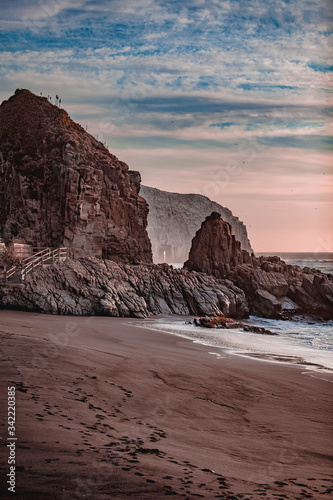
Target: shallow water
(299, 341)
(296, 340)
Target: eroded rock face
(59, 186)
(273, 288)
(174, 219)
(215, 249)
(88, 286)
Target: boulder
(267, 304)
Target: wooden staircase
(43, 258)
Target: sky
(230, 99)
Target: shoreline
(279, 349)
(123, 412)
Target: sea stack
(215, 250)
(61, 187)
(273, 289)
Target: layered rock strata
(174, 219)
(273, 288)
(59, 186)
(89, 286)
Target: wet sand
(109, 411)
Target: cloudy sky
(230, 99)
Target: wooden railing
(43, 257)
(10, 272)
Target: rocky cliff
(59, 186)
(174, 219)
(272, 288)
(88, 286)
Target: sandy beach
(105, 410)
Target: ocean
(320, 260)
(298, 341)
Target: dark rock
(59, 186)
(267, 304)
(91, 286)
(218, 321)
(273, 288)
(222, 322)
(258, 329)
(215, 249)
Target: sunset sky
(230, 99)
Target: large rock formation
(215, 250)
(59, 186)
(174, 219)
(88, 286)
(273, 288)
